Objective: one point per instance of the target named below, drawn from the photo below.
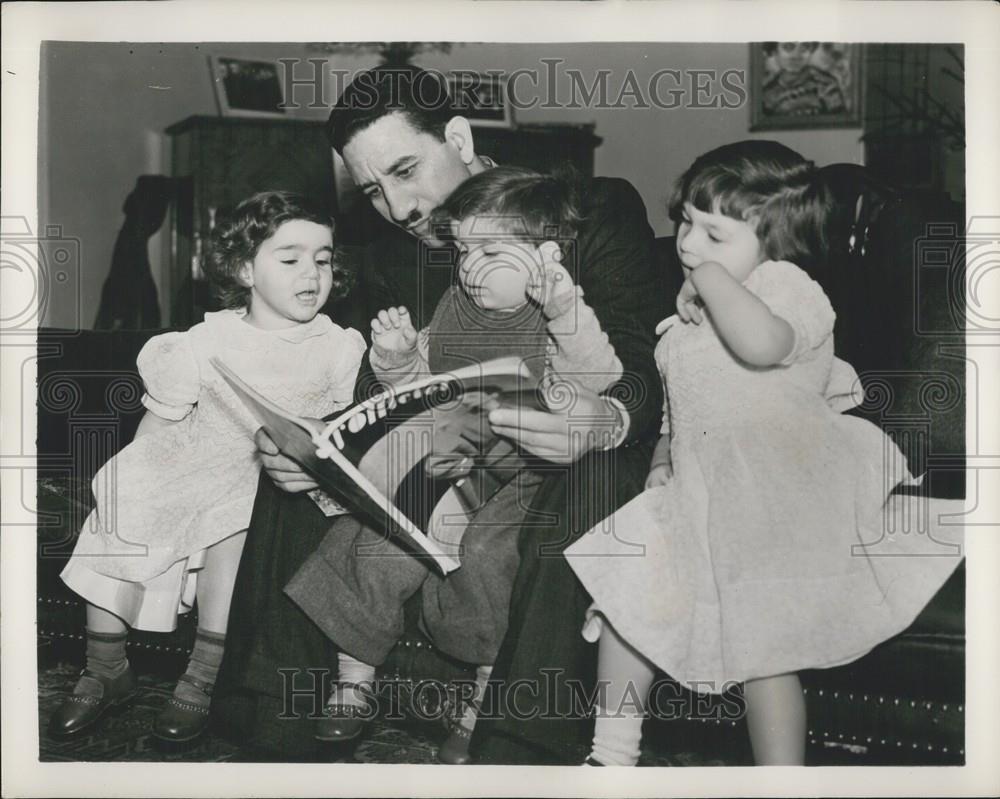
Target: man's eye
(324, 262)
(405, 172)
(290, 261)
(713, 237)
(373, 192)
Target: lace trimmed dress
(766, 551)
(169, 495)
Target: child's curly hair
(237, 237)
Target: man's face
(405, 173)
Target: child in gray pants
(513, 297)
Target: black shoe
(80, 711)
(342, 722)
(181, 721)
(455, 749)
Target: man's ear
(458, 133)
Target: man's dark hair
(534, 207)
(421, 96)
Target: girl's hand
(393, 330)
(551, 286)
(688, 303)
(659, 475)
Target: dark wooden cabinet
(218, 161)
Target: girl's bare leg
(776, 718)
(624, 678)
(103, 621)
(215, 583)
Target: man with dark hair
(407, 156)
(418, 95)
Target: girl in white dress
(174, 504)
(748, 557)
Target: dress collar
(231, 323)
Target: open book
(362, 455)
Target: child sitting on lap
(512, 298)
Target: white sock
(468, 719)
(617, 739)
(353, 671)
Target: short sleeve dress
(167, 496)
(753, 559)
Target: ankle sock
(471, 711)
(105, 657)
(351, 670)
(617, 738)
(206, 657)
(106, 653)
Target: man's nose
(401, 206)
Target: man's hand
(551, 286)
(285, 472)
(393, 330)
(561, 436)
(688, 308)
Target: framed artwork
(805, 85)
(482, 99)
(247, 88)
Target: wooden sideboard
(218, 161)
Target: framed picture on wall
(796, 85)
(482, 98)
(247, 88)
